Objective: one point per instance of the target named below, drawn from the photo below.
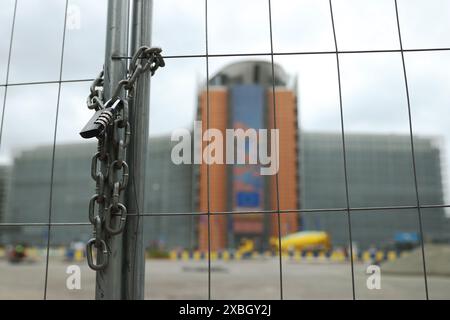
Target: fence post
(133, 246)
(108, 281)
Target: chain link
(95, 98)
(110, 217)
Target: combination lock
(100, 120)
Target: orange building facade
(241, 97)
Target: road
(253, 279)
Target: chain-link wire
(110, 171)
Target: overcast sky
(374, 98)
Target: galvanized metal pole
(133, 249)
(108, 281)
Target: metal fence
(418, 206)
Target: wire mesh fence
(362, 84)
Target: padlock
(100, 120)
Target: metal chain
(95, 98)
(145, 59)
(110, 171)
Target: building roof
(250, 72)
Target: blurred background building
(5, 175)
(241, 97)
(379, 169)
(311, 176)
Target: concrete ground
(252, 279)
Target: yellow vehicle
(246, 247)
(303, 240)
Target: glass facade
(172, 189)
